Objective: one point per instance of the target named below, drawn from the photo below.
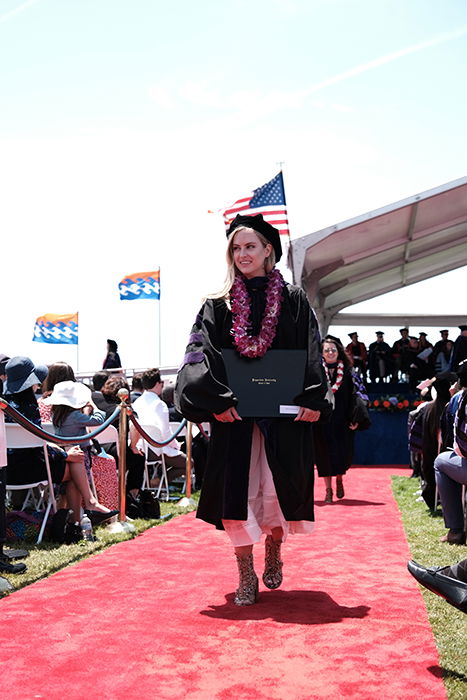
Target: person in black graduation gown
(334, 440)
(459, 351)
(112, 359)
(259, 472)
(379, 359)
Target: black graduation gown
(379, 351)
(334, 441)
(202, 390)
(459, 352)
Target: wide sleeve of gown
(308, 336)
(201, 388)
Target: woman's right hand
(228, 416)
(75, 454)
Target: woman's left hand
(353, 426)
(308, 415)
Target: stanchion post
(189, 452)
(187, 499)
(122, 444)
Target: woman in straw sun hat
(72, 412)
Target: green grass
(449, 625)
(48, 557)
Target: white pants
(264, 511)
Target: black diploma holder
(265, 387)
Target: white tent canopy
(383, 250)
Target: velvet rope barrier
(187, 500)
(151, 440)
(51, 437)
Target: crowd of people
(52, 398)
(438, 445)
(410, 358)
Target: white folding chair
(154, 461)
(19, 438)
(195, 430)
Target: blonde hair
(269, 262)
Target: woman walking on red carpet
(259, 474)
(334, 441)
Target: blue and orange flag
(58, 329)
(140, 285)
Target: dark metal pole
(123, 395)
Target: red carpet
(154, 619)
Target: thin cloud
(17, 10)
(246, 107)
(383, 60)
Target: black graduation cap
(352, 334)
(257, 223)
(462, 328)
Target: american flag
(268, 200)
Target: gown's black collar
(256, 283)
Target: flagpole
(77, 344)
(160, 344)
(290, 251)
(160, 356)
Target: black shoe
(451, 589)
(10, 554)
(97, 517)
(7, 568)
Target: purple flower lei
(256, 345)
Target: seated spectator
(98, 381)
(153, 413)
(28, 465)
(134, 460)
(449, 582)
(414, 432)
(3, 360)
(431, 430)
(58, 372)
(73, 412)
(136, 386)
(458, 382)
(112, 360)
(168, 398)
(451, 471)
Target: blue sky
(123, 123)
